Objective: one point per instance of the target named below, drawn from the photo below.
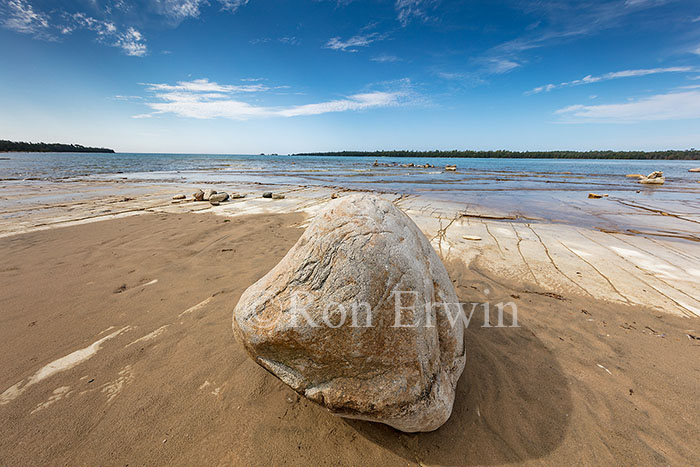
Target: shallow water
(553, 189)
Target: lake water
(545, 188)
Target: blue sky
(250, 76)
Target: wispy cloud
(385, 58)
(130, 40)
(561, 21)
(232, 5)
(589, 79)
(20, 16)
(204, 85)
(204, 99)
(500, 65)
(408, 10)
(179, 10)
(288, 40)
(351, 44)
(670, 106)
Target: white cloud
(19, 16)
(500, 65)
(385, 58)
(232, 5)
(179, 10)
(130, 41)
(204, 85)
(670, 106)
(412, 9)
(203, 99)
(609, 76)
(351, 44)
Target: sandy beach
(117, 346)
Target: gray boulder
(219, 197)
(324, 320)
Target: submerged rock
(325, 319)
(219, 197)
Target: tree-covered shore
(13, 146)
(690, 154)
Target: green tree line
(12, 146)
(688, 154)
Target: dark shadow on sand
(512, 404)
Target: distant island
(12, 146)
(689, 154)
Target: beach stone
(180, 196)
(198, 195)
(277, 196)
(267, 194)
(219, 197)
(214, 203)
(207, 194)
(654, 178)
(359, 250)
(236, 196)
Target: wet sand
(116, 349)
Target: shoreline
(622, 267)
(142, 303)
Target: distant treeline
(12, 146)
(690, 154)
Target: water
(554, 189)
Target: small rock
(654, 178)
(267, 194)
(219, 197)
(451, 168)
(634, 176)
(207, 194)
(198, 195)
(596, 196)
(471, 237)
(236, 196)
(277, 196)
(334, 195)
(180, 196)
(696, 169)
(214, 203)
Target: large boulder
(346, 320)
